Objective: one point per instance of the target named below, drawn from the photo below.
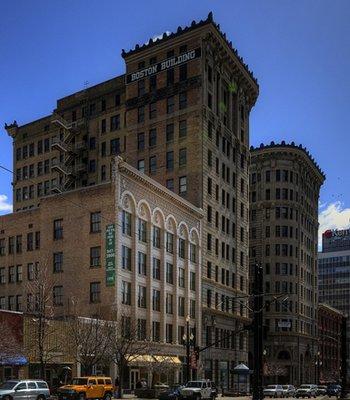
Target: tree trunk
(121, 379)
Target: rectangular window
(126, 258)
(156, 237)
(95, 256)
(142, 230)
(156, 331)
(126, 293)
(19, 273)
(182, 157)
(12, 274)
(58, 295)
(30, 241)
(95, 292)
(58, 229)
(141, 114)
(169, 273)
(181, 277)
(181, 248)
(170, 105)
(170, 76)
(182, 128)
(2, 275)
(141, 166)
(169, 303)
(193, 308)
(170, 160)
(169, 333)
(153, 83)
(169, 242)
(182, 100)
(126, 223)
(183, 72)
(193, 281)
(183, 185)
(156, 300)
(115, 146)
(156, 268)
(152, 165)
(141, 298)
(57, 263)
(170, 184)
(170, 132)
(141, 141)
(141, 89)
(153, 110)
(152, 137)
(142, 267)
(181, 306)
(95, 222)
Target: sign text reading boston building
(164, 65)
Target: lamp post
(188, 338)
(318, 364)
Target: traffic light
(196, 352)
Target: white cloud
(5, 206)
(333, 216)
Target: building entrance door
(134, 378)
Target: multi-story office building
(181, 115)
(130, 242)
(285, 183)
(329, 360)
(334, 275)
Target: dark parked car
(173, 393)
(333, 390)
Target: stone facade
(180, 115)
(284, 192)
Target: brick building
(284, 190)
(328, 362)
(181, 115)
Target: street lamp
(188, 338)
(318, 364)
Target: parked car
(197, 390)
(321, 390)
(172, 393)
(273, 391)
(306, 391)
(288, 391)
(88, 387)
(333, 390)
(27, 389)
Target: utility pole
(257, 326)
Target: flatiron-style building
(285, 183)
(180, 114)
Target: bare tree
(128, 342)
(88, 340)
(43, 341)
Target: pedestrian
(116, 388)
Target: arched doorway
(283, 370)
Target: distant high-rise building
(284, 190)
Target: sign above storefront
(163, 65)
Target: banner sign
(110, 255)
(163, 65)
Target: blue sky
(299, 51)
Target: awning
(144, 359)
(241, 369)
(168, 359)
(15, 360)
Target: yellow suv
(87, 387)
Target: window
(182, 128)
(193, 281)
(19, 244)
(169, 333)
(30, 241)
(156, 331)
(103, 126)
(57, 262)
(141, 90)
(193, 252)
(169, 242)
(19, 302)
(115, 122)
(103, 172)
(2, 303)
(92, 166)
(152, 137)
(142, 230)
(141, 114)
(170, 105)
(58, 229)
(182, 100)
(153, 83)
(115, 146)
(95, 222)
(170, 132)
(141, 166)
(156, 268)
(153, 110)
(19, 273)
(12, 276)
(95, 292)
(141, 141)
(2, 275)
(169, 273)
(126, 258)
(142, 268)
(193, 308)
(181, 306)
(126, 223)
(170, 76)
(58, 295)
(95, 256)
(182, 157)
(11, 245)
(169, 303)
(183, 72)
(181, 277)
(170, 184)
(156, 237)
(11, 303)
(126, 293)
(183, 185)
(141, 298)
(170, 160)
(156, 300)
(153, 165)
(181, 248)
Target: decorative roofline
(290, 145)
(180, 31)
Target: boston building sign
(164, 65)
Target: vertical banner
(110, 255)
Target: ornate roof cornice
(180, 31)
(256, 151)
